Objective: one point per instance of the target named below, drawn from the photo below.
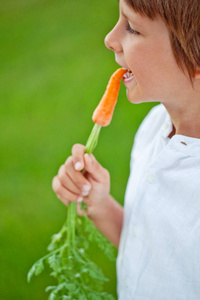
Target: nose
(112, 40)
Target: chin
(134, 98)
(137, 99)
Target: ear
(197, 73)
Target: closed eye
(131, 30)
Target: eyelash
(131, 30)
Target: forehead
(149, 8)
(136, 11)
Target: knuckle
(56, 185)
(76, 147)
(78, 151)
(106, 174)
(68, 161)
(99, 167)
(61, 173)
(61, 169)
(66, 202)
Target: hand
(91, 186)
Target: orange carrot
(104, 111)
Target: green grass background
(53, 71)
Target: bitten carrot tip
(104, 111)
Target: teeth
(128, 74)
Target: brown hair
(182, 18)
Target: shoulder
(151, 128)
(152, 123)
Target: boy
(158, 232)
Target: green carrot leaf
(52, 296)
(36, 269)
(50, 288)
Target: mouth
(128, 76)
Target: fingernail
(79, 200)
(78, 166)
(84, 194)
(86, 188)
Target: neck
(185, 117)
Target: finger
(63, 194)
(95, 169)
(77, 155)
(78, 179)
(66, 180)
(66, 202)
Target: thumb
(95, 169)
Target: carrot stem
(73, 224)
(101, 117)
(71, 214)
(93, 139)
(69, 229)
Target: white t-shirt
(159, 253)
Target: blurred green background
(53, 71)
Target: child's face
(143, 46)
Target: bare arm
(110, 224)
(91, 187)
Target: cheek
(143, 70)
(149, 67)
(139, 60)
